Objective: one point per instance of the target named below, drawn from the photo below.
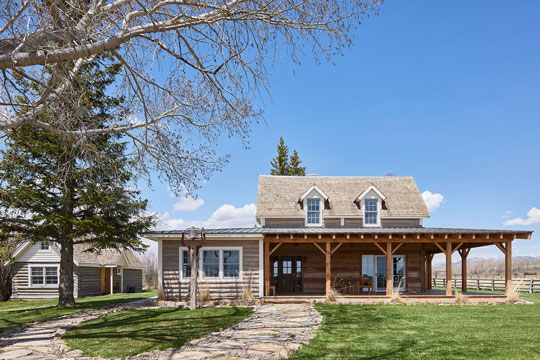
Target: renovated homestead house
(36, 271)
(363, 236)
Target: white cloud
(226, 216)
(188, 204)
(433, 201)
(533, 217)
(507, 214)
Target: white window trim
(45, 250)
(379, 208)
(321, 208)
(57, 266)
(200, 263)
(119, 271)
(374, 257)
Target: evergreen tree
(57, 190)
(280, 164)
(294, 165)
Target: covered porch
(362, 263)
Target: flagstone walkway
(272, 332)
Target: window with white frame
(371, 212)
(185, 265)
(43, 275)
(210, 263)
(44, 246)
(231, 263)
(215, 263)
(119, 271)
(313, 211)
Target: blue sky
(447, 92)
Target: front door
(105, 280)
(287, 273)
(380, 283)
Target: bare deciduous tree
(192, 69)
(150, 271)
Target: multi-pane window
(44, 245)
(231, 263)
(186, 264)
(287, 267)
(46, 275)
(211, 263)
(313, 211)
(370, 211)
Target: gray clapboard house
(36, 271)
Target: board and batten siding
(175, 288)
(132, 277)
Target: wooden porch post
(508, 267)
(328, 267)
(389, 268)
(266, 267)
(464, 254)
(448, 268)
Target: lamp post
(194, 234)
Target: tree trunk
(193, 283)
(5, 282)
(66, 286)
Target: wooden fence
(527, 285)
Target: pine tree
(294, 165)
(57, 190)
(280, 164)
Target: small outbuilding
(36, 271)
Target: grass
(15, 313)
(132, 332)
(427, 332)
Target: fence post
(492, 284)
(531, 286)
(455, 282)
(477, 284)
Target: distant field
(427, 332)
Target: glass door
(380, 269)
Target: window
(186, 264)
(313, 211)
(119, 271)
(371, 212)
(231, 263)
(211, 263)
(44, 245)
(287, 267)
(44, 275)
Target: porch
(311, 263)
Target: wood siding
(22, 289)
(91, 281)
(393, 223)
(219, 289)
(346, 263)
(132, 277)
(35, 255)
(284, 223)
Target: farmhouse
(360, 235)
(36, 271)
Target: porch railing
(527, 285)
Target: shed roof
(103, 257)
(278, 195)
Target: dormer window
(313, 211)
(371, 212)
(44, 246)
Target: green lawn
(15, 313)
(427, 332)
(133, 332)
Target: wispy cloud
(533, 217)
(507, 214)
(433, 201)
(188, 204)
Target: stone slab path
(43, 340)
(271, 332)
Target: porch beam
(336, 248)
(508, 267)
(275, 248)
(328, 268)
(410, 239)
(380, 248)
(318, 247)
(448, 268)
(396, 248)
(267, 268)
(441, 248)
(388, 268)
(457, 247)
(501, 247)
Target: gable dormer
(371, 203)
(313, 202)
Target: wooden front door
(287, 273)
(105, 280)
